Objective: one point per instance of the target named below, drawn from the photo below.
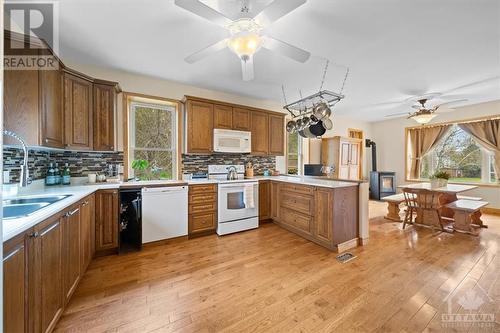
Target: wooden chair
(424, 204)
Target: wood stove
(382, 183)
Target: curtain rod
(474, 120)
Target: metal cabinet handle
(68, 214)
(34, 234)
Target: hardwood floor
(270, 280)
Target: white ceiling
(394, 48)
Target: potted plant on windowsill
(439, 179)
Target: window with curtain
(153, 138)
(453, 150)
(293, 153)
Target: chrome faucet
(24, 176)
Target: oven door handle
(234, 186)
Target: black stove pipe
(369, 143)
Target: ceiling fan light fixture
(424, 118)
(245, 38)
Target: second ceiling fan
(246, 35)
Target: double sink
(20, 207)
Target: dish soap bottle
(57, 176)
(50, 179)
(66, 176)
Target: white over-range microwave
(229, 141)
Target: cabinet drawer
(298, 202)
(203, 208)
(295, 219)
(202, 189)
(201, 222)
(205, 198)
(302, 189)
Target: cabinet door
(241, 119)
(15, 285)
(49, 274)
(106, 220)
(78, 112)
(223, 116)
(275, 201)
(104, 117)
(86, 231)
(200, 127)
(344, 160)
(260, 133)
(71, 251)
(51, 110)
(354, 152)
(276, 135)
(264, 200)
(323, 220)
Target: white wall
(390, 138)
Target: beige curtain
(487, 134)
(422, 140)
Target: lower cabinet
(42, 268)
(106, 221)
(202, 207)
(87, 227)
(321, 214)
(264, 200)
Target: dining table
(447, 194)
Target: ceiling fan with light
(424, 114)
(246, 34)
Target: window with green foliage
(293, 153)
(461, 157)
(153, 141)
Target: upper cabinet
(241, 119)
(223, 116)
(104, 116)
(344, 153)
(204, 115)
(260, 133)
(57, 108)
(200, 125)
(78, 110)
(276, 135)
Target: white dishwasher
(164, 213)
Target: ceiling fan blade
(286, 49)
(247, 69)
(417, 106)
(397, 114)
(450, 102)
(276, 10)
(202, 10)
(206, 51)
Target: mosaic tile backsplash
(199, 163)
(80, 163)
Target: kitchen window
(153, 138)
(293, 157)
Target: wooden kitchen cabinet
(223, 116)
(344, 154)
(276, 135)
(264, 200)
(106, 221)
(78, 112)
(48, 274)
(71, 250)
(200, 125)
(104, 116)
(202, 209)
(16, 295)
(87, 231)
(259, 125)
(323, 199)
(274, 197)
(241, 119)
(51, 110)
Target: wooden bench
(393, 202)
(464, 209)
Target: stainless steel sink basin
(13, 208)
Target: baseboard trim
(347, 245)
